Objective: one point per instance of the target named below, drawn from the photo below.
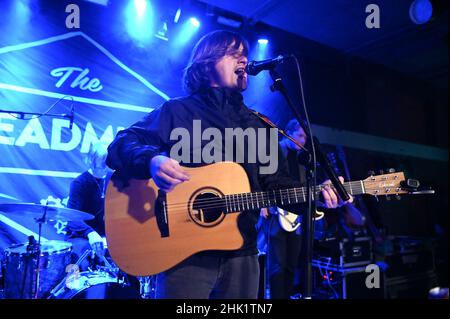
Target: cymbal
(37, 210)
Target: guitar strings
(238, 200)
(219, 203)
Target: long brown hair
(208, 50)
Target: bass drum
(95, 285)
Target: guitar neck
(257, 200)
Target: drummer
(87, 193)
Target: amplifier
(411, 286)
(406, 255)
(334, 282)
(345, 252)
(410, 270)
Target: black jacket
(131, 151)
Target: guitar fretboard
(257, 200)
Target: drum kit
(42, 269)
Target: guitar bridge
(162, 218)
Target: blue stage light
(22, 11)
(261, 50)
(162, 33)
(263, 41)
(186, 32)
(177, 16)
(141, 6)
(421, 11)
(140, 20)
(194, 22)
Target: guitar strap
(266, 120)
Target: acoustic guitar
(149, 231)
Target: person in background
(87, 193)
(283, 247)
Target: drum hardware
(73, 271)
(98, 282)
(96, 285)
(147, 287)
(20, 268)
(54, 276)
(37, 249)
(41, 213)
(70, 269)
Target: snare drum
(95, 285)
(20, 267)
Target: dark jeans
(283, 252)
(203, 277)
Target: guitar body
(134, 238)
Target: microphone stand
(21, 115)
(308, 220)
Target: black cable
(312, 183)
(308, 124)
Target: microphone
(254, 67)
(71, 118)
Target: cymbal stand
(40, 221)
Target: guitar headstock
(393, 183)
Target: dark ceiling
(400, 44)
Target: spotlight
(229, 22)
(263, 41)
(194, 22)
(139, 17)
(100, 2)
(185, 33)
(261, 50)
(162, 32)
(177, 16)
(141, 6)
(420, 11)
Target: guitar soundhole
(207, 207)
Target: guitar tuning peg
(371, 173)
(381, 172)
(391, 170)
(398, 197)
(388, 197)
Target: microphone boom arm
(23, 114)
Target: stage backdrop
(101, 73)
(40, 155)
